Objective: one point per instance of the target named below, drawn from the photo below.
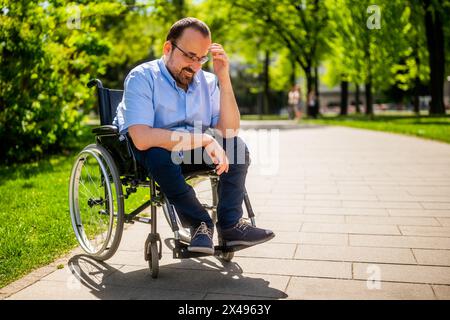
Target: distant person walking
(295, 103)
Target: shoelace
(242, 224)
(203, 229)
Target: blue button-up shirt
(152, 97)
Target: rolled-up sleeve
(215, 104)
(138, 105)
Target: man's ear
(167, 47)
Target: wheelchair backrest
(119, 146)
(108, 100)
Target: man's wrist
(224, 79)
(206, 139)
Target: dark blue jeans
(169, 175)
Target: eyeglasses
(192, 57)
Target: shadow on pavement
(197, 278)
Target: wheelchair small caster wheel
(226, 256)
(153, 259)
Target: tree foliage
(47, 56)
(50, 49)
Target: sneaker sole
(201, 250)
(246, 243)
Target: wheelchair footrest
(182, 251)
(220, 249)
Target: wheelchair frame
(115, 152)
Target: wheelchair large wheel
(96, 202)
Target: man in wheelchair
(164, 101)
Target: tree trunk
(293, 73)
(416, 96)
(416, 102)
(368, 82)
(309, 83)
(435, 44)
(358, 110)
(309, 88)
(259, 105)
(369, 99)
(266, 98)
(316, 86)
(344, 98)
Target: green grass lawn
(429, 127)
(35, 227)
(264, 117)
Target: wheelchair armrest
(107, 129)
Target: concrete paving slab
(404, 273)
(361, 254)
(336, 289)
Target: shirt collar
(166, 73)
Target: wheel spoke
(94, 198)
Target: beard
(183, 76)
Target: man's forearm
(145, 137)
(229, 116)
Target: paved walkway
(357, 215)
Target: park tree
(299, 26)
(436, 13)
(137, 36)
(401, 53)
(418, 70)
(370, 46)
(48, 52)
(248, 41)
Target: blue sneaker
(244, 234)
(202, 240)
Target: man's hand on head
(220, 61)
(229, 117)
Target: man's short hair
(178, 27)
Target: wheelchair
(106, 173)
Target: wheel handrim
(92, 205)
